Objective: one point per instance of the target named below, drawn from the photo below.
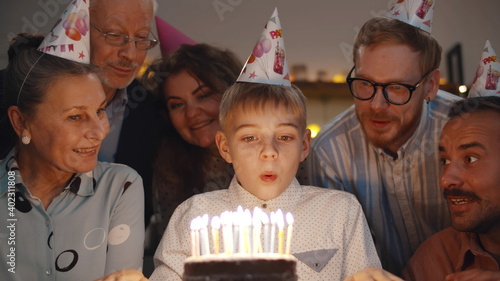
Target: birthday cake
(243, 255)
(240, 267)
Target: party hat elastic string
(27, 74)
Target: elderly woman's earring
(26, 140)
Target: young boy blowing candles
(264, 136)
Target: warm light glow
(442, 81)
(462, 89)
(338, 78)
(315, 128)
(292, 78)
(143, 68)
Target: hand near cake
(373, 274)
(124, 275)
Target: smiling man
(470, 154)
(120, 37)
(384, 148)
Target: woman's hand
(124, 275)
(373, 274)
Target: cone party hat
(267, 63)
(418, 13)
(487, 74)
(70, 36)
(170, 38)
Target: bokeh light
(315, 128)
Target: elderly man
(120, 36)
(384, 148)
(470, 154)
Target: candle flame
(256, 218)
(264, 218)
(273, 218)
(280, 219)
(196, 223)
(216, 222)
(204, 221)
(289, 218)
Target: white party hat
(487, 74)
(69, 38)
(267, 63)
(418, 13)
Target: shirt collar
(286, 201)
(469, 247)
(82, 184)
(118, 103)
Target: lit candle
(215, 233)
(236, 227)
(289, 221)
(197, 224)
(193, 237)
(247, 229)
(281, 225)
(273, 231)
(265, 220)
(227, 234)
(256, 222)
(240, 218)
(205, 246)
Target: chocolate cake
(240, 267)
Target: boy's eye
(471, 159)
(249, 139)
(285, 138)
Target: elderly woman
(192, 81)
(68, 216)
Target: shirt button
(46, 223)
(264, 206)
(48, 272)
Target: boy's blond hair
(245, 96)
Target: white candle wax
(273, 232)
(215, 233)
(281, 225)
(289, 220)
(265, 220)
(193, 237)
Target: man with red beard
(120, 36)
(470, 154)
(384, 148)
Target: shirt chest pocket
(316, 259)
(315, 251)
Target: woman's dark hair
(28, 76)
(177, 160)
(216, 68)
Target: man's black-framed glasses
(120, 40)
(395, 93)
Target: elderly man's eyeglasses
(395, 93)
(120, 40)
